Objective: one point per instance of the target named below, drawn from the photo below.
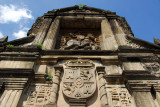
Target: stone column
(102, 82)
(50, 39)
(118, 31)
(55, 85)
(109, 42)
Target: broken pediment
(135, 43)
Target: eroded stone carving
(79, 63)
(79, 79)
(38, 95)
(119, 96)
(123, 23)
(133, 45)
(79, 41)
(154, 68)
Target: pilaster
(102, 82)
(55, 85)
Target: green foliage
(130, 41)
(48, 77)
(9, 45)
(39, 45)
(80, 5)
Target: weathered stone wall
(10, 98)
(50, 40)
(16, 64)
(109, 42)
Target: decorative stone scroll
(79, 63)
(79, 41)
(79, 81)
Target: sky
(17, 16)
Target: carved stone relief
(38, 95)
(119, 96)
(79, 41)
(79, 79)
(154, 68)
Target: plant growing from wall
(130, 41)
(48, 77)
(40, 45)
(80, 5)
(9, 45)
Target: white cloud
(12, 13)
(21, 33)
(1, 35)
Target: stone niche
(79, 34)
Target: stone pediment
(79, 10)
(33, 39)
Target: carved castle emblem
(79, 80)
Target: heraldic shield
(79, 79)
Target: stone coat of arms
(79, 79)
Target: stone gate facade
(79, 57)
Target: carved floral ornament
(79, 79)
